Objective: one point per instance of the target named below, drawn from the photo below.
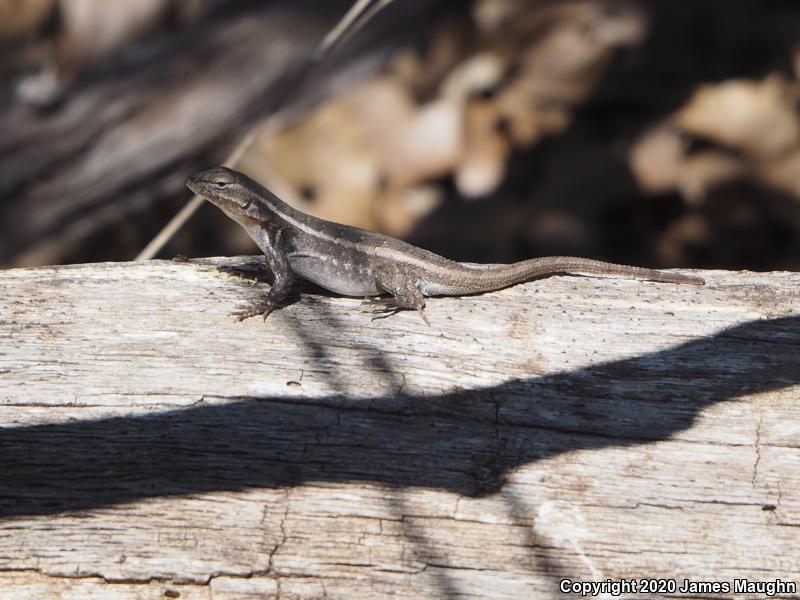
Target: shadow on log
(440, 442)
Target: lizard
(392, 275)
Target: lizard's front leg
(283, 291)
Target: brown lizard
(355, 262)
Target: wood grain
(574, 427)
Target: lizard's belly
(335, 275)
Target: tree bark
(570, 428)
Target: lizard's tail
(487, 278)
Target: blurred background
(647, 132)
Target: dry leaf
(661, 163)
(756, 117)
(486, 149)
(755, 126)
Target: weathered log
(571, 428)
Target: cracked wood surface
(574, 427)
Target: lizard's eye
(221, 185)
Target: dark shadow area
(465, 443)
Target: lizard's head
(233, 192)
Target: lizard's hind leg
(402, 297)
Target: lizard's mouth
(197, 185)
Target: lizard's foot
(380, 308)
(264, 306)
(386, 307)
(259, 307)
(278, 297)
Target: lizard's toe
(253, 310)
